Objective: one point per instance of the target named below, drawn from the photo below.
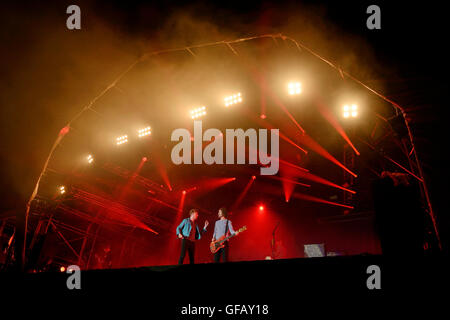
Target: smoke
(50, 73)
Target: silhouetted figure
(104, 259)
(399, 217)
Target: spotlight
(144, 159)
(230, 100)
(145, 132)
(121, 140)
(350, 111)
(295, 88)
(261, 208)
(253, 177)
(184, 192)
(263, 116)
(199, 112)
(62, 189)
(90, 158)
(62, 269)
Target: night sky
(48, 73)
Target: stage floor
(349, 273)
(284, 287)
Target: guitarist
(222, 229)
(189, 232)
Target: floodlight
(145, 132)
(294, 88)
(122, 139)
(233, 99)
(198, 112)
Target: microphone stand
(273, 240)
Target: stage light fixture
(198, 112)
(62, 189)
(122, 139)
(145, 132)
(62, 269)
(294, 88)
(235, 98)
(314, 250)
(90, 158)
(350, 111)
(261, 208)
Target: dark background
(47, 71)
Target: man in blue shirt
(189, 232)
(223, 228)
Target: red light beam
(313, 145)
(161, 168)
(290, 181)
(305, 174)
(266, 124)
(243, 193)
(213, 183)
(181, 206)
(332, 120)
(319, 200)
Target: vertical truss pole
(92, 246)
(2, 227)
(397, 108)
(83, 246)
(423, 183)
(349, 162)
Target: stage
(264, 281)
(303, 136)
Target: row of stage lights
(141, 133)
(62, 190)
(234, 99)
(197, 113)
(294, 88)
(228, 101)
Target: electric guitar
(220, 243)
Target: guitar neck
(223, 240)
(231, 236)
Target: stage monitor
(314, 250)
